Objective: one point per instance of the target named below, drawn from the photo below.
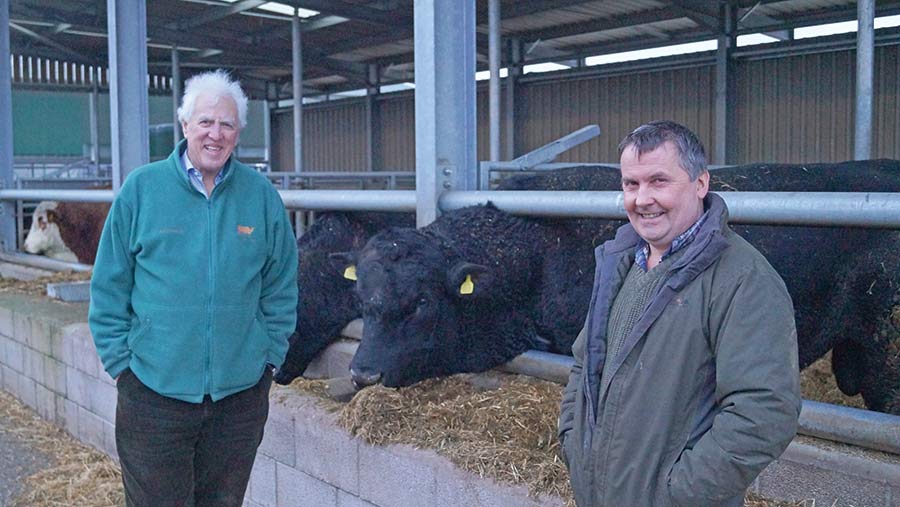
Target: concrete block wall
(307, 459)
(51, 366)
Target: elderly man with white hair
(193, 297)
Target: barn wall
(397, 131)
(793, 109)
(800, 109)
(334, 138)
(44, 123)
(618, 104)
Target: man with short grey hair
(686, 380)
(193, 297)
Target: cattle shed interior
(412, 105)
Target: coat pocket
(139, 329)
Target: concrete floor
(18, 460)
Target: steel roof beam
(599, 25)
(52, 43)
(699, 11)
(821, 16)
(353, 11)
(405, 32)
(518, 9)
(215, 14)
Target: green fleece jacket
(195, 295)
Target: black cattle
(479, 286)
(476, 287)
(326, 303)
(843, 281)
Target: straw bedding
(78, 475)
(38, 286)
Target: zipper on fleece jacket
(209, 273)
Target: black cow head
(411, 294)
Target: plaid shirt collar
(683, 239)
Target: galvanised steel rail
(40, 261)
(283, 179)
(34, 194)
(348, 200)
(848, 209)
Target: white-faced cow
(479, 286)
(66, 231)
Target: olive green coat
(705, 390)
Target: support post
(267, 133)
(445, 101)
(297, 75)
(373, 119)
(176, 96)
(725, 88)
(513, 71)
(865, 76)
(8, 208)
(94, 119)
(128, 110)
(494, 85)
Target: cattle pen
(365, 105)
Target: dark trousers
(179, 454)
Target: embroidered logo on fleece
(245, 230)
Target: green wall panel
(57, 124)
(49, 124)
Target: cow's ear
(52, 216)
(468, 280)
(344, 263)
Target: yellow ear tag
(467, 286)
(350, 273)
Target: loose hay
(317, 388)
(506, 432)
(38, 286)
(79, 475)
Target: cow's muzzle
(362, 379)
